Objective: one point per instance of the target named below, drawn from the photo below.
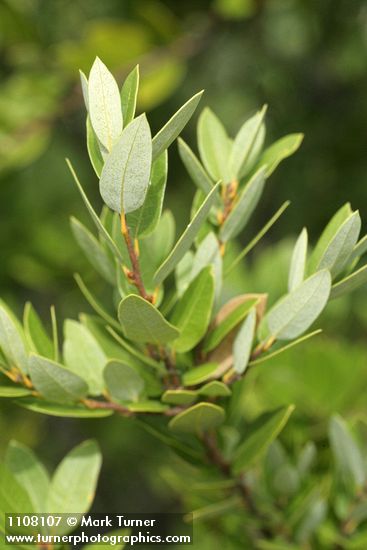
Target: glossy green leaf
(230, 321)
(12, 340)
(243, 343)
(259, 435)
(29, 473)
(102, 230)
(37, 338)
(349, 283)
(199, 374)
(179, 397)
(55, 382)
(214, 146)
(94, 152)
(122, 382)
(194, 167)
(347, 454)
(278, 151)
(186, 239)
(198, 419)
(295, 312)
(74, 482)
(328, 234)
(142, 322)
(244, 207)
(13, 391)
(214, 389)
(192, 313)
(104, 104)
(126, 172)
(84, 356)
(64, 411)
(144, 220)
(245, 143)
(93, 250)
(338, 250)
(298, 261)
(129, 95)
(172, 129)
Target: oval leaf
(278, 151)
(104, 104)
(122, 382)
(294, 313)
(214, 146)
(298, 261)
(12, 341)
(198, 419)
(55, 382)
(142, 322)
(192, 313)
(194, 168)
(125, 175)
(245, 143)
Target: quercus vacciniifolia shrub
(165, 348)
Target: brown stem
(135, 274)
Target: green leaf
(55, 382)
(259, 435)
(84, 356)
(29, 473)
(37, 338)
(65, 411)
(142, 322)
(144, 220)
(360, 248)
(104, 104)
(13, 391)
(14, 498)
(347, 455)
(94, 252)
(123, 382)
(198, 419)
(94, 152)
(107, 237)
(126, 172)
(245, 143)
(84, 85)
(338, 250)
(179, 397)
(295, 312)
(214, 389)
(278, 151)
(298, 261)
(208, 254)
(98, 308)
(214, 146)
(243, 343)
(229, 322)
(148, 406)
(74, 482)
(353, 281)
(328, 234)
(194, 167)
(174, 126)
(129, 94)
(244, 207)
(200, 374)
(192, 313)
(12, 340)
(186, 239)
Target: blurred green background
(307, 59)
